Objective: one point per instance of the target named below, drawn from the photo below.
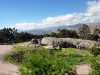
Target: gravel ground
(5, 67)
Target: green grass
(41, 61)
(57, 63)
(22, 48)
(22, 44)
(69, 50)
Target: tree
(53, 34)
(84, 32)
(46, 35)
(96, 31)
(58, 30)
(6, 36)
(96, 34)
(72, 34)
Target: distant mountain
(75, 26)
(48, 30)
(93, 26)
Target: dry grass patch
(22, 44)
(83, 52)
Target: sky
(33, 14)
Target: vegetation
(41, 61)
(84, 32)
(96, 67)
(11, 35)
(63, 33)
(95, 51)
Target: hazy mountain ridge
(93, 26)
(48, 30)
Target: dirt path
(5, 67)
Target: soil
(83, 69)
(7, 68)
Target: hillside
(93, 26)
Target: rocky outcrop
(51, 41)
(68, 42)
(79, 43)
(35, 42)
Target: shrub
(17, 56)
(95, 51)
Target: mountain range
(49, 30)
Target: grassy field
(42, 61)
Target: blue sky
(32, 14)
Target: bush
(95, 51)
(17, 56)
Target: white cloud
(25, 26)
(93, 11)
(93, 8)
(59, 20)
(85, 19)
(92, 14)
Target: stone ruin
(67, 42)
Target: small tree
(84, 32)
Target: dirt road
(5, 67)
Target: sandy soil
(48, 47)
(5, 67)
(83, 69)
